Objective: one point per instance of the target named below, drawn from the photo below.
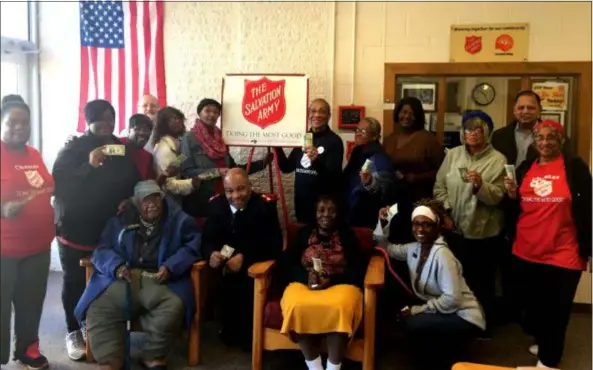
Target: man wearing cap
(140, 131)
(242, 229)
(151, 246)
(149, 106)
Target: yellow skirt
(337, 309)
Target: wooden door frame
(580, 71)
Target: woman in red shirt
(551, 204)
(27, 225)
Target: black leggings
(547, 294)
(74, 282)
(23, 285)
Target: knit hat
(469, 117)
(549, 123)
(146, 188)
(204, 102)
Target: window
(20, 71)
(10, 78)
(15, 19)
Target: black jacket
(579, 183)
(504, 141)
(86, 197)
(254, 232)
(323, 177)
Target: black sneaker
(32, 358)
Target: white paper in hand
(227, 251)
(305, 161)
(382, 233)
(317, 265)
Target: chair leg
(370, 304)
(193, 355)
(87, 344)
(259, 300)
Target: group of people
(174, 196)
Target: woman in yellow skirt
(325, 270)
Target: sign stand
(271, 179)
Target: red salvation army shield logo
(473, 44)
(264, 102)
(34, 178)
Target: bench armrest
(375, 276)
(261, 269)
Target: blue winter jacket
(363, 201)
(178, 251)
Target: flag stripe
(134, 46)
(147, 47)
(121, 90)
(151, 75)
(159, 56)
(84, 90)
(121, 55)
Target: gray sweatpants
(161, 315)
(23, 284)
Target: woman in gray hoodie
(447, 313)
(470, 183)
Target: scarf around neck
(329, 251)
(210, 138)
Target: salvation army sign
(264, 110)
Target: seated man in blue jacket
(368, 187)
(151, 247)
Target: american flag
(122, 55)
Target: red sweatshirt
(24, 175)
(143, 160)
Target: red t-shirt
(24, 175)
(143, 161)
(545, 231)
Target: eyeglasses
(361, 131)
(476, 130)
(540, 138)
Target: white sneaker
(534, 349)
(75, 345)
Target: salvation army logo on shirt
(541, 187)
(34, 178)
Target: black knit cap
(204, 102)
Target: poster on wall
(264, 109)
(553, 116)
(554, 95)
(505, 42)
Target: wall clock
(483, 94)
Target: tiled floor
(508, 347)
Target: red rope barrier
(393, 273)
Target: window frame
(28, 74)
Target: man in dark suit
(242, 229)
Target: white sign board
(264, 110)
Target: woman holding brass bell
(325, 271)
